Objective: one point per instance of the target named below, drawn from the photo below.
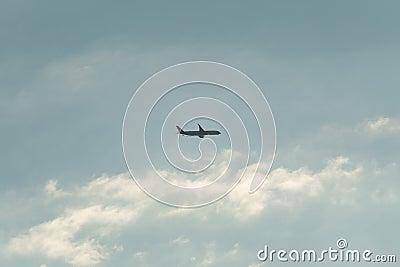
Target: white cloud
(58, 238)
(107, 206)
(209, 175)
(51, 189)
(290, 188)
(357, 135)
(118, 248)
(180, 240)
(379, 126)
(209, 257)
(118, 188)
(140, 254)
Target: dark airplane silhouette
(200, 133)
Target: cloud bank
(105, 206)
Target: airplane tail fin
(180, 130)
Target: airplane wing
(200, 129)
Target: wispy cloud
(370, 127)
(209, 256)
(339, 182)
(180, 240)
(52, 189)
(58, 238)
(76, 234)
(108, 204)
(382, 125)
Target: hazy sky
(329, 70)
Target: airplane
(200, 133)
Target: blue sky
(68, 70)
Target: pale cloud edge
(109, 204)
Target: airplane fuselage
(200, 133)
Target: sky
(329, 70)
